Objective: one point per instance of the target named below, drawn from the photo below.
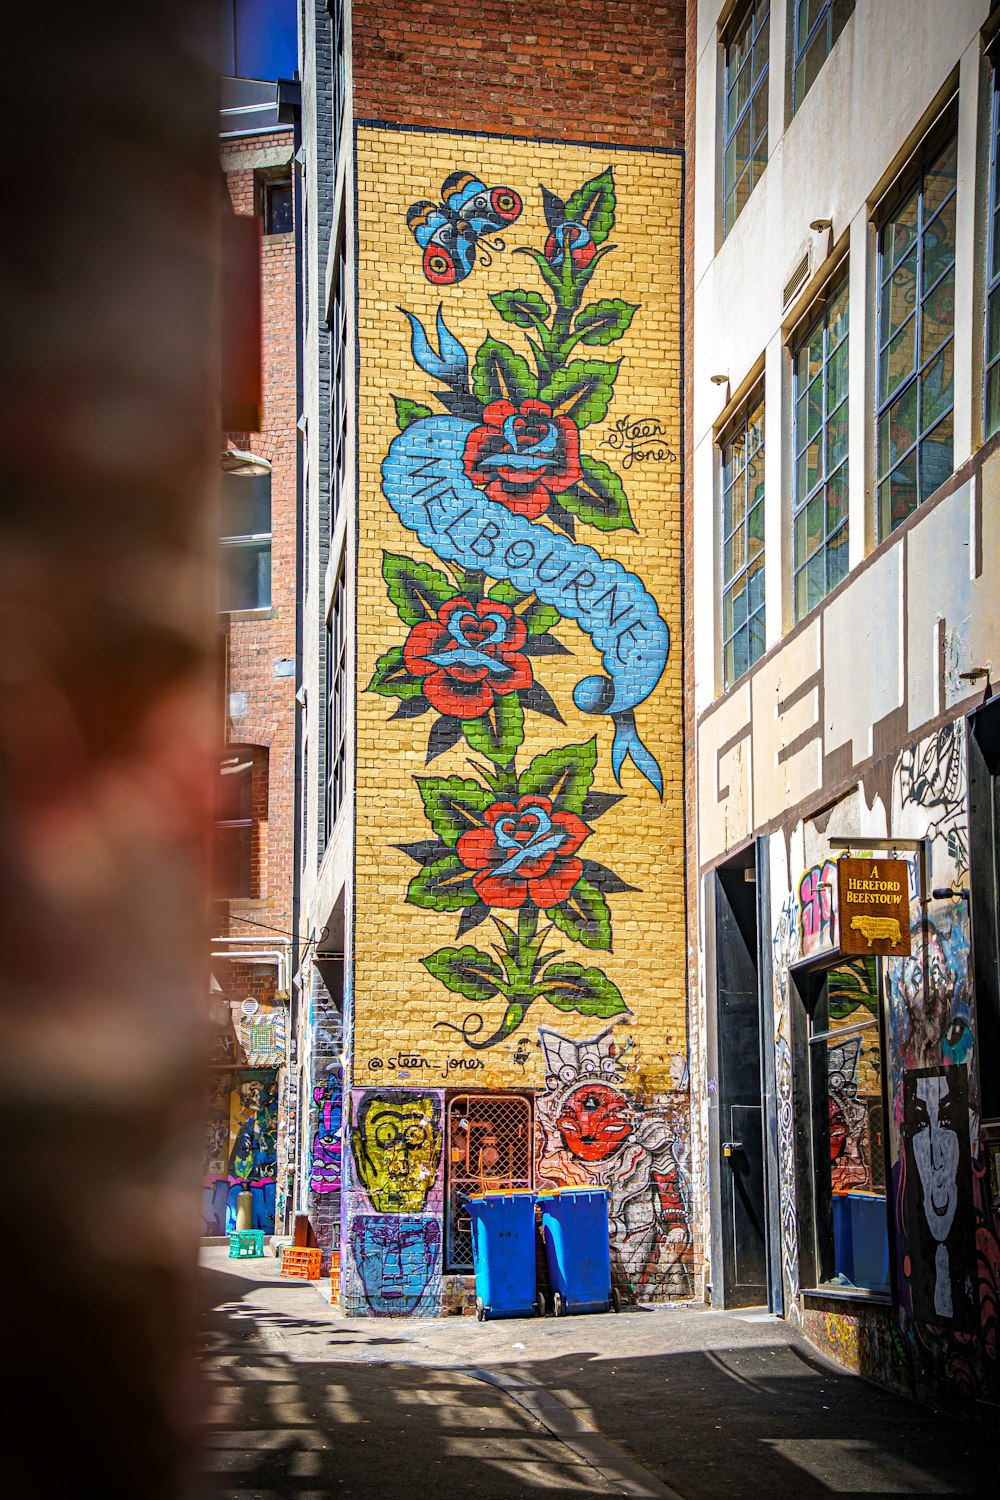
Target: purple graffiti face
(396, 1256)
(325, 1173)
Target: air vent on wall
(796, 281)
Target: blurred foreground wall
(108, 431)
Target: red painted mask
(594, 1121)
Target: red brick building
(252, 877)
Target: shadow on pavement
(750, 1421)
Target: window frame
(992, 277)
(337, 721)
(740, 425)
(257, 759)
(837, 283)
(826, 19)
(267, 210)
(816, 1232)
(338, 332)
(257, 541)
(935, 144)
(758, 88)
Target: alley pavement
(676, 1403)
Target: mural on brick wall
(326, 1147)
(475, 484)
(520, 799)
(592, 1132)
(393, 1227)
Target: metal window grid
(489, 1150)
(991, 372)
(744, 130)
(915, 328)
(742, 456)
(339, 365)
(336, 704)
(818, 24)
(820, 441)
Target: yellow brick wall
(397, 1002)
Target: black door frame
(722, 1292)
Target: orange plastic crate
(302, 1264)
(335, 1277)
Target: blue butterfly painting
(449, 232)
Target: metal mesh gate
(489, 1150)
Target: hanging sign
(874, 906)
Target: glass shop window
(848, 1114)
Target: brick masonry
(257, 651)
(442, 993)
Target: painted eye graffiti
(467, 213)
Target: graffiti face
(325, 1173)
(397, 1147)
(936, 1152)
(395, 1257)
(252, 1094)
(594, 1121)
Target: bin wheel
(616, 1300)
(558, 1305)
(539, 1305)
(480, 1311)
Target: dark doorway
(736, 1125)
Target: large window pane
(991, 372)
(745, 117)
(742, 466)
(916, 324)
(818, 24)
(819, 504)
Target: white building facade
(845, 531)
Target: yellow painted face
(397, 1147)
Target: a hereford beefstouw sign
(874, 906)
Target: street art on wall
(593, 1132)
(785, 951)
(396, 1145)
(519, 804)
(938, 1196)
(450, 232)
(253, 1157)
(474, 484)
(326, 1147)
(395, 1258)
(817, 908)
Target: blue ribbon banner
(424, 480)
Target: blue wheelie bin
(577, 1248)
(503, 1254)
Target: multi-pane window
(338, 62)
(743, 541)
(339, 361)
(818, 23)
(258, 38)
(745, 108)
(240, 802)
(846, 1108)
(916, 338)
(336, 704)
(991, 405)
(245, 555)
(819, 486)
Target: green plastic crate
(245, 1243)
